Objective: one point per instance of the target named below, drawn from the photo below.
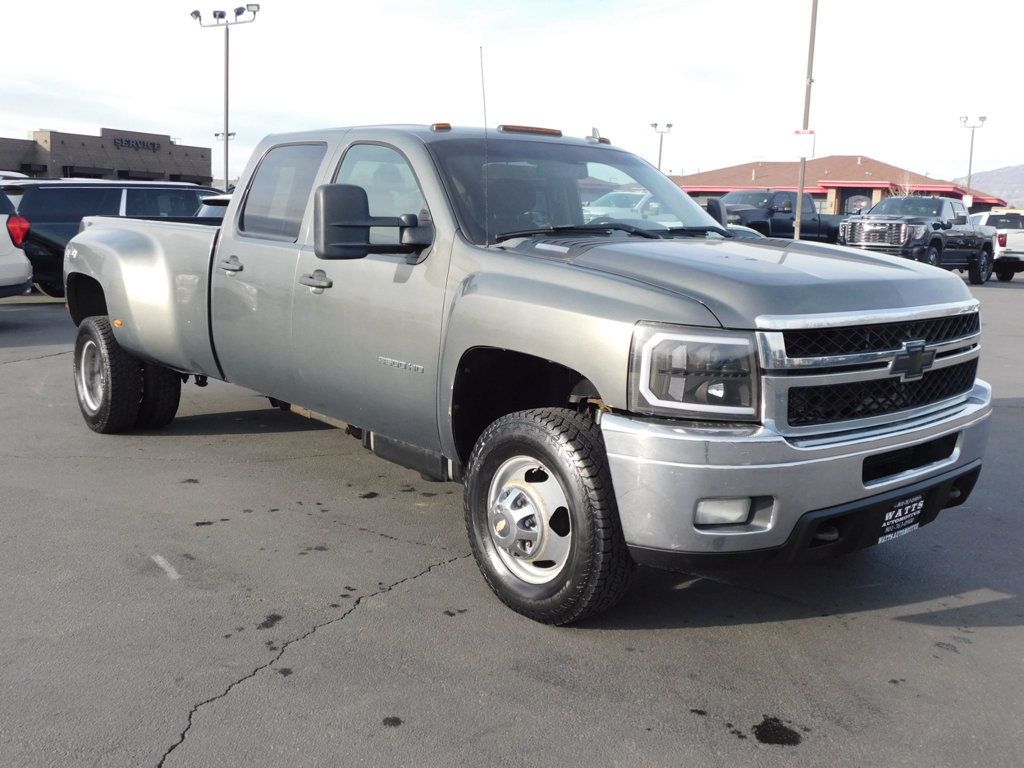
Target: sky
(891, 77)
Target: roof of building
(824, 173)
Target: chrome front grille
(848, 371)
(873, 232)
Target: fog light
(722, 511)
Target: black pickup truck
(773, 213)
(935, 230)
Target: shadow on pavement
(269, 420)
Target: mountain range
(1007, 183)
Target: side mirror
(342, 221)
(715, 210)
(959, 220)
(653, 209)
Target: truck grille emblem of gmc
(912, 361)
(401, 364)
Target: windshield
(755, 199)
(909, 206)
(525, 185)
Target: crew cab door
(781, 215)
(253, 270)
(367, 340)
(961, 237)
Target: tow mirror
(958, 220)
(342, 222)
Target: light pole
(243, 15)
(970, 157)
(798, 216)
(661, 137)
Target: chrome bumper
(660, 470)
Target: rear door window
(1006, 220)
(280, 190)
(51, 205)
(162, 202)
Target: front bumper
(915, 251)
(660, 470)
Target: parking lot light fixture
(970, 158)
(243, 15)
(661, 137)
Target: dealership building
(114, 154)
(839, 184)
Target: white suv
(1009, 246)
(15, 269)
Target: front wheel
(542, 519)
(980, 270)
(931, 256)
(107, 379)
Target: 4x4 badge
(912, 361)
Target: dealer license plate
(902, 517)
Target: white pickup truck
(1008, 257)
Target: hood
(739, 280)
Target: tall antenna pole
(483, 96)
(807, 116)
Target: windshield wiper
(609, 227)
(701, 230)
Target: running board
(430, 464)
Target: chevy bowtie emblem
(912, 361)
(500, 527)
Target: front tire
(542, 519)
(932, 256)
(107, 380)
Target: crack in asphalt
(40, 357)
(285, 645)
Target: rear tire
(1004, 275)
(161, 394)
(107, 380)
(53, 290)
(980, 270)
(542, 519)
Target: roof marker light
(441, 127)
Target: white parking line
(167, 568)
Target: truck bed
(156, 276)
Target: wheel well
(937, 245)
(85, 297)
(491, 383)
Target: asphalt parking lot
(249, 588)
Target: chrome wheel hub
(528, 520)
(91, 382)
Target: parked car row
(50, 211)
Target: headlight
(916, 231)
(704, 374)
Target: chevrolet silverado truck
(609, 392)
(773, 214)
(935, 230)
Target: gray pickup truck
(609, 391)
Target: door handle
(318, 279)
(230, 265)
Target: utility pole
(661, 137)
(807, 117)
(970, 157)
